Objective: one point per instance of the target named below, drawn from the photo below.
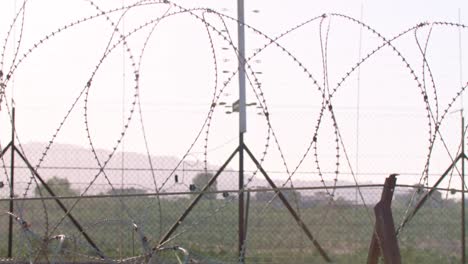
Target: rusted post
(384, 241)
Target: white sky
(177, 78)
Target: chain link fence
(135, 210)
(123, 226)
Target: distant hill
(132, 170)
(79, 165)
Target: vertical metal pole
(133, 243)
(241, 199)
(460, 56)
(12, 189)
(463, 190)
(241, 57)
(242, 123)
(463, 142)
(358, 105)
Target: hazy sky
(381, 118)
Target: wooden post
(384, 241)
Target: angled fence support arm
(283, 199)
(428, 194)
(194, 202)
(60, 204)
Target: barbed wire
(140, 112)
(434, 116)
(103, 164)
(10, 30)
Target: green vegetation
(126, 191)
(210, 231)
(201, 180)
(59, 186)
(267, 196)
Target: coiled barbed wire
(434, 123)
